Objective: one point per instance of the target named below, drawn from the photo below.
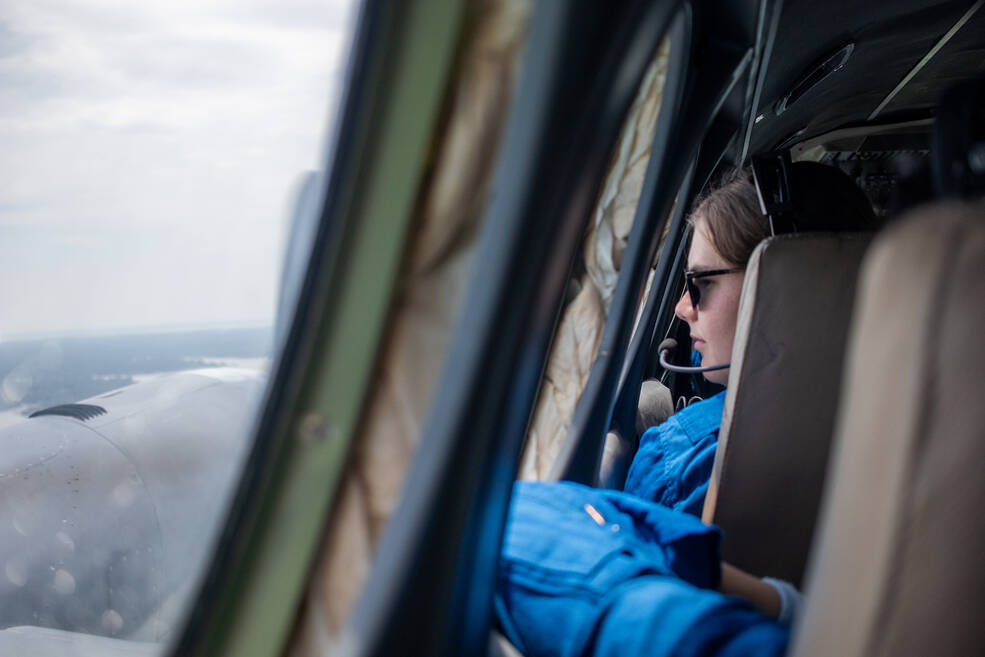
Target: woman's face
(713, 321)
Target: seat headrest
(781, 400)
(898, 567)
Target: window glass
(594, 277)
(152, 154)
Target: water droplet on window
(65, 540)
(112, 621)
(16, 385)
(20, 526)
(16, 573)
(64, 582)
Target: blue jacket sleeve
(662, 616)
(591, 572)
(673, 463)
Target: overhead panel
(889, 40)
(962, 57)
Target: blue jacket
(673, 463)
(585, 571)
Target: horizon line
(134, 330)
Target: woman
(673, 463)
(587, 571)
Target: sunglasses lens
(693, 292)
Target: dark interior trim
(430, 591)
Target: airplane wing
(107, 506)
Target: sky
(150, 153)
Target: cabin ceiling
(890, 39)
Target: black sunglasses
(693, 291)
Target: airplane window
(593, 280)
(152, 155)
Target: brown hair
(824, 199)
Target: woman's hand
(763, 596)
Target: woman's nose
(684, 310)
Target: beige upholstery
(579, 331)
(781, 401)
(429, 298)
(900, 565)
(655, 405)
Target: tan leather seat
(782, 398)
(899, 569)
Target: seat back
(898, 567)
(782, 396)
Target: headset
(771, 175)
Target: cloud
(12, 43)
(124, 126)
